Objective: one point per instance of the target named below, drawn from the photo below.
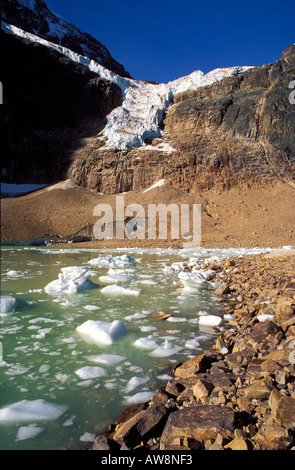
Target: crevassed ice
(144, 104)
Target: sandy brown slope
(264, 217)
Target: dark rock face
(239, 131)
(42, 22)
(50, 104)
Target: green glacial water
(57, 389)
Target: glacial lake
(57, 388)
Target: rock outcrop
(236, 132)
(50, 105)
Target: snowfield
(144, 103)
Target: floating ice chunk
(115, 278)
(210, 320)
(120, 261)
(102, 332)
(92, 307)
(147, 329)
(13, 273)
(28, 432)
(136, 382)
(164, 377)
(140, 397)
(8, 303)
(135, 316)
(176, 319)
(62, 377)
(31, 410)
(107, 359)
(90, 372)
(148, 282)
(115, 290)
(71, 279)
(167, 349)
(191, 279)
(192, 344)
(87, 437)
(146, 343)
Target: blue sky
(163, 40)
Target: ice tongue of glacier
(144, 103)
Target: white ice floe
(192, 278)
(102, 332)
(136, 316)
(209, 320)
(114, 289)
(107, 359)
(71, 279)
(115, 278)
(135, 382)
(146, 343)
(167, 349)
(192, 344)
(87, 437)
(140, 397)
(90, 372)
(92, 307)
(8, 304)
(31, 410)
(28, 432)
(116, 261)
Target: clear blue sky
(166, 39)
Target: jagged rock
(284, 412)
(198, 423)
(197, 364)
(273, 438)
(137, 428)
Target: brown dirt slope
(231, 218)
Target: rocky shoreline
(240, 395)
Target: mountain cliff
(35, 17)
(237, 131)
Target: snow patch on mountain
(144, 103)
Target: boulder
(198, 423)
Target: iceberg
(90, 372)
(135, 382)
(140, 397)
(31, 410)
(115, 289)
(209, 320)
(146, 343)
(115, 278)
(117, 261)
(167, 349)
(102, 332)
(8, 303)
(72, 279)
(107, 359)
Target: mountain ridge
(35, 17)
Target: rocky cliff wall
(237, 132)
(50, 105)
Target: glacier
(144, 103)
